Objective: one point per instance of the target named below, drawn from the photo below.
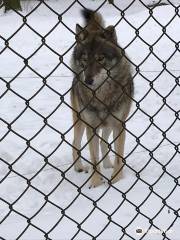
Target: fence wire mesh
(165, 141)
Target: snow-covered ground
(27, 161)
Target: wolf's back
(93, 20)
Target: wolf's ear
(110, 34)
(81, 33)
(78, 28)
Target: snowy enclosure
(41, 196)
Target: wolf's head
(96, 54)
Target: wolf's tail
(93, 20)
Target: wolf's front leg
(119, 142)
(96, 178)
(78, 134)
(106, 131)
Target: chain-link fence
(37, 130)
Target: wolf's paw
(107, 163)
(96, 181)
(81, 168)
(116, 177)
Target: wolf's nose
(89, 81)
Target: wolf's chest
(106, 98)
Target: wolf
(101, 95)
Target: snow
(35, 87)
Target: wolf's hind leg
(104, 147)
(119, 142)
